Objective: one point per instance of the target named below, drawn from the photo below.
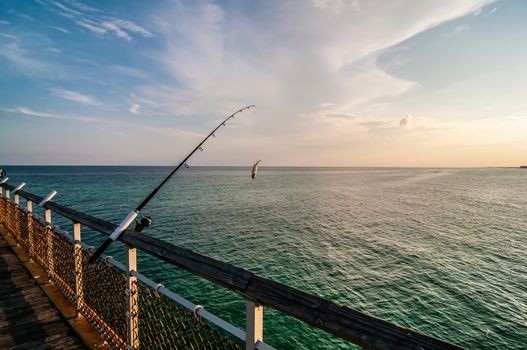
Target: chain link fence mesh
(164, 324)
(100, 291)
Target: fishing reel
(145, 221)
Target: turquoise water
(441, 251)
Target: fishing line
(134, 213)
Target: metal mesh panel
(102, 295)
(39, 242)
(163, 324)
(15, 220)
(61, 263)
(23, 225)
(103, 301)
(10, 218)
(2, 209)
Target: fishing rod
(134, 213)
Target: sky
(335, 83)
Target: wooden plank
(344, 322)
(27, 318)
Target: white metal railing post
(29, 206)
(77, 260)
(49, 231)
(47, 216)
(132, 313)
(7, 194)
(253, 324)
(4, 180)
(15, 192)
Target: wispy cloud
(33, 55)
(199, 54)
(8, 36)
(91, 27)
(456, 31)
(132, 27)
(29, 18)
(461, 28)
(336, 6)
(60, 29)
(22, 61)
(75, 96)
(29, 112)
(96, 22)
(4, 22)
(132, 72)
(405, 122)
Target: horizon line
(265, 166)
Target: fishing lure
(255, 169)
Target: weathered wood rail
(362, 329)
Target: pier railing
(131, 311)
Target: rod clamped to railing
(133, 214)
(115, 234)
(47, 199)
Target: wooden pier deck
(28, 320)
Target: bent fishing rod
(134, 213)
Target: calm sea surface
(441, 251)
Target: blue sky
(344, 83)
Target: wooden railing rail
(362, 329)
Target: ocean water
(441, 251)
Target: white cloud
(82, 7)
(132, 72)
(134, 109)
(75, 96)
(92, 19)
(29, 112)
(461, 28)
(29, 18)
(112, 27)
(405, 122)
(288, 64)
(287, 61)
(8, 36)
(22, 61)
(336, 6)
(494, 10)
(60, 29)
(91, 27)
(28, 54)
(4, 22)
(132, 27)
